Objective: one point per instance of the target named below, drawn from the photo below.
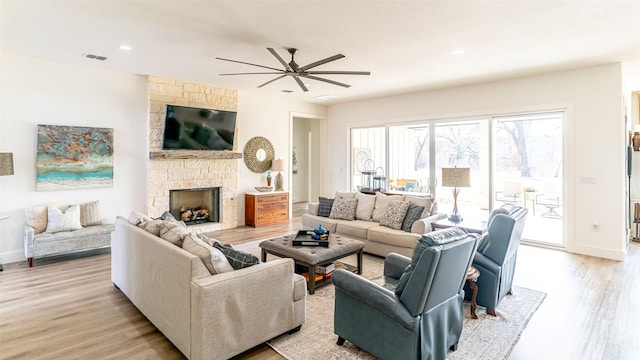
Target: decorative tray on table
(304, 238)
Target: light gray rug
(488, 337)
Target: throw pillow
(37, 218)
(393, 217)
(135, 218)
(238, 259)
(214, 260)
(211, 240)
(63, 221)
(344, 209)
(433, 238)
(152, 226)
(414, 212)
(324, 207)
(90, 214)
(173, 232)
(422, 201)
(382, 201)
(345, 195)
(366, 204)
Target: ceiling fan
(296, 72)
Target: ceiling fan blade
(274, 53)
(272, 80)
(246, 63)
(325, 80)
(320, 62)
(255, 73)
(304, 88)
(338, 72)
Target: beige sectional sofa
(205, 316)
(378, 239)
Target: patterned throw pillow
(213, 259)
(152, 227)
(344, 209)
(324, 207)
(90, 214)
(238, 259)
(414, 212)
(63, 221)
(174, 232)
(393, 217)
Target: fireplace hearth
(196, 206)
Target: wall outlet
(595, 227)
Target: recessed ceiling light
(327, 97)
(125, 47)
(457, 51)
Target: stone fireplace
(196, 206)
(190, 170)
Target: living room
(47, 91)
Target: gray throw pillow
(414, 212)
(238, 259)
(324, 207)
(344, 209)
(393, 217)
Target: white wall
(594, 142)
(37, 91)
(42, 92)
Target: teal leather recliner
(417, 312)
(497, 254)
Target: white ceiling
(405, 44)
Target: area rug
(487, 337)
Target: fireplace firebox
(196, 206)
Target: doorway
(305, 158)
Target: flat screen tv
(188, 128)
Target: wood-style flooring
(66, 307)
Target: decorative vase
(268, 178)
(636, 141)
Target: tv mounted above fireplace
(189, 128)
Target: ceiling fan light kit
(292, 69)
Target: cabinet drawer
(273, 198)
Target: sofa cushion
(63, 221)
(382, 201)
(355, 229)
(90, 214)
(393, 217)
(135, 218)
(238, 259)
(414, 212)
(173, 232)
(37, 218)
(366, 204)
(213, 259)
(152, 226)
(385, 235)
(345, 195)
(344, 209)
(422, 201)
(324, 206)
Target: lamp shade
(456, 177)
(277, 165)
(6, 164)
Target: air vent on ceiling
(95, 57)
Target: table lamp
(278, 165)
(456, 178)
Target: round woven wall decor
(250, 154)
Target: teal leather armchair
(417, 313)
(497, 254)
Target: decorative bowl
(264, 188)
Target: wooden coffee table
(472, 278)
(309, 257)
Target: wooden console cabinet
(263, 209)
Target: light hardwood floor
(66, 307)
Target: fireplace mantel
(193, 154)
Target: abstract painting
(74, 157)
